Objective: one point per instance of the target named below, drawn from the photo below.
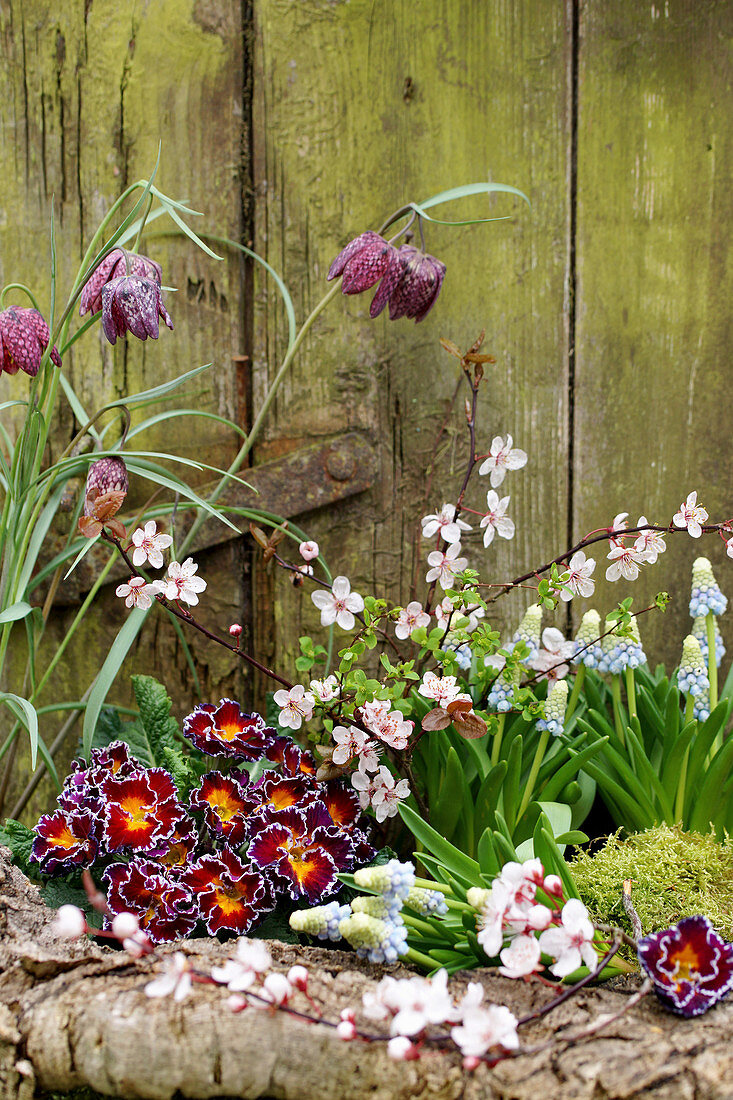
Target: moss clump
(674, 874)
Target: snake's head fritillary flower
(119, 262)
(24, 337)
(417, 291)
(690, 965)
(133, 304)
(364, 262)
(104, 494)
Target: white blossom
(138, 593)
(572, 942)
(308, 550)
(485, 1028)
(502, 457)
(339, 605)
(325, 690)
(625, 561)
(551, 659)
(650, 544)
(296, 706)
(175, 979)
(181, 583)
(495, 520)
(578, 577)
(445, 523)
(148, 545)
(410, 618)
(521, 957)
(387, 794)
(445, 566)
(691, 515)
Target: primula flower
(339, 605)
(363, 262)
(132, 303)
(502, 457)
(138, 593)
(230, 895)
(161, 903)
(409, 619)
(181, 582)
(417, 291)
(625, 561)
(495, 520)
(24, 337)
(141, 811)
(691, 515)
(578, 577)
(273, 793)
(304, 849)
(690, 965)
(117, 263)
(296, 706)
(148, 543)
(226, 730)
(572, 942)
(649, 544)
(291, 759)
(445, 566)
(445, 524)
(65, 839)
(222, 800)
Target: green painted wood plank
(652, 393)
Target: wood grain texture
(652, 385)
(361, 107)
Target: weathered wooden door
(295, 124)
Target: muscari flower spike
(24, 337)
(377, 940)
(705, 596)
(392, 880)
(529, 630)
(321, 921)
(690, 965)
(501, 696)
(426, 902)
(700, 631)
(588, 634)
(618, 653)
(692, 677)
(555, 704)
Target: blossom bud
(298, 978)
(346, 1030)
(402, 1049)
(705, 596)
(471, 1062)
(308, 550)
(553, 886)
(69, 923)
(24, 337)
(276, 989)
(138, 945)
(235, 630)
(539, 917)
(237, 1003)
(125, 925)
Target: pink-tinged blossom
(521, 957)
(729, 548)
(308, 550)
(346, 1030)
(446, 612)
(572, 942)
(138, 593)
(410, 618)
(148, 544)
(445, 565)
(650, 544)
(365, 786)
(578, 578)
(402, 1049)
(325, 690)
(617, 528)
(419, 1002)
(625, 563)
(369, 756)
(445, 524)
(296, 706)
(182, 584)
(276, 989)
(388, 794)
(551, 659)
(484, 1029)
(339, 605)
(691, 515)
(175, 979)
(502, 457)
(443, 689)
(253, 959)
(125, 925)
(495, 521)
(388, 725)
(350, 741)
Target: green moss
(674, 874)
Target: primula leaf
(161, 730)
(19, 839)
(110, 727)
(57, 893)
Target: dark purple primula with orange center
(65, 840)
(690, 965)
(140, 812)
(290, 758)
(305, 850)
(230, 895)
(164, 906)
(223, 802)
(274, 793)
(227, 730)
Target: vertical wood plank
(652, 387)
(360, 107)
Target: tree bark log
(74, 1014)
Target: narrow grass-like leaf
(105, 677)
(466, 191)
(25, 713)
(16, 611)
(450, 857)
(80, 413)
(174, 414)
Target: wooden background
(296, 124)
